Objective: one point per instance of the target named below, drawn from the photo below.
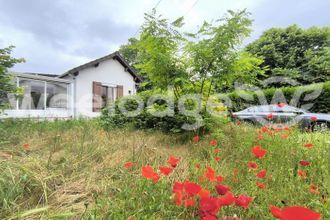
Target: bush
(113, 118)
(320, 103)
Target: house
(80, 92)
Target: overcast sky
(56, 35)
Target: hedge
(310, 97)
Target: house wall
(109, 72)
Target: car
(284, 114)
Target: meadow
(77, 170)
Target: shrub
(320, 103)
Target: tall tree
(296, 53)
(6, 85)
(196, 62)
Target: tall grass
(66, 169)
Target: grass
(74, 169)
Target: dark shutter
(120, 91)
(97, 99)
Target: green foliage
(200, 62)
(296, 53)
(129, 52)
(320, 103)
(6, 85)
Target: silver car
(284, 114)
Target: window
(108, 95)
(33, 96)
(57, 95)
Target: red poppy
(260, 185)
(173, 161)
(26, 146)
(227, 199)
(270, 116)
(196, 138)
(197, 165)
(189, 203)
(149, 173)
(191, 189)
(238, 123)
(313, 118)
(264, 129)
(210, 174)
(129, 165)
(210, 217)
(284, 136)
(222, 189)
(314, 189)
(131, 218)
(295, 213)
(276, 212)
(204, 193)
(308, 145)
(258, 152)
(252, 165)
(302, 174)
(280, 105)
(165, 170)
(217, 158)
(177, 187)
(208, 206)
(243, 201)
(213, 142)
(304, 162)
(219, 178)
(260, 137)
(261, 174)
(216, 151)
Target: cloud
(54, 36)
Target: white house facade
(80, 92)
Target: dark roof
(116, 55)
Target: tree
(129, 51)
(199, 62)
(295, 53)
(6, 85)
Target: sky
(54, 36)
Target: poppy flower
(313, 189)
(196, 138)
(252, 165)
(313, 118)
(238, 123)
(302, 174)
(26, 146)
(189, 203)
(284, 136)
(264, 129)
(304, 162)
(280, 105)
(308, 145)
(227, 199)
(197, 165)
(129, 165)
(216, 151)
(173, 161)
(131, 218)
(208, 206)
(260, 137)
(222, 189)
(210, 217)
(210, 174)
(203, 193)
(165, 170)
(295, 213)
(217, 158)
(213, 142)
(261, 174)
(191, 189)
(276, 212)
(260, 185)
(149, 173)
(269, 116)
(258, 152)
(243, 201)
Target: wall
(109, 72)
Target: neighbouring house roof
(40, 76)
(116, 55)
